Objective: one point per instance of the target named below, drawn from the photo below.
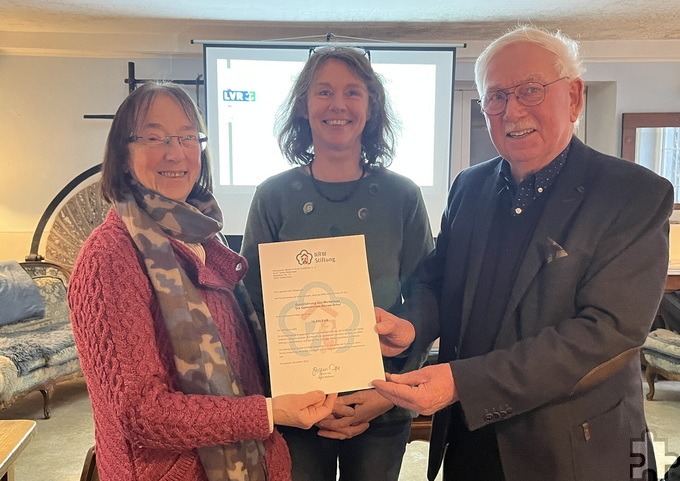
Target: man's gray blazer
(563, 384)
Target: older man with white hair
(544, 282)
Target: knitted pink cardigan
(145, 429)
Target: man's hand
(302, 410)
(424, 391)
(396, 334)
(352, 414)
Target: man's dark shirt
(518, 211)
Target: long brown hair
(294, 132)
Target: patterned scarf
(200, 358)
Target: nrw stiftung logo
(304, 257)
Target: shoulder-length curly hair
(292, 127)
(116, 177)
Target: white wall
(45, 141)
(616, 86)
(638, 87)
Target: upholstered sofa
(37, 349)
(661, 352)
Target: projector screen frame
(240, 195)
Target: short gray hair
(568, 62)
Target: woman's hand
(353, 413)
(302, 410)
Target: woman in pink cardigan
(170, 347)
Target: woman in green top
(337, 128)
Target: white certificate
(319, 316)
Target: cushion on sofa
(19, 295)
(53, 291)
(664, 342)
(662, 350)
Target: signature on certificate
(324, 372)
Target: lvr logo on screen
(238, 95)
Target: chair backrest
(68, 220)
(89, 472)
(73, 223)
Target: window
(653, 140)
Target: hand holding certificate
(396, 334)
(320, 317)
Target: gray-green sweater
(387, 208)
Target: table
(14, 436)
(673, 279)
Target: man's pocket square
(551, 250)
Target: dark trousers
(374, 455)
(471, 455)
